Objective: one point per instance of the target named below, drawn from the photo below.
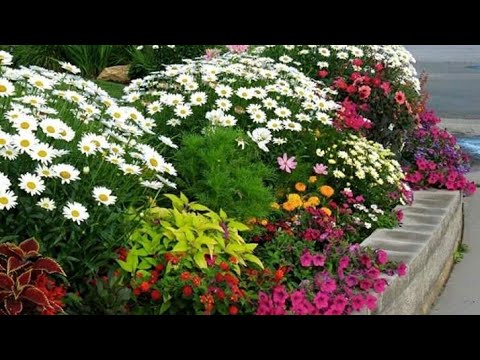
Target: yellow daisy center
(75, 213)
(39, 83)
(42, 153)
(31, 185)
(25, 143)
(103, 197)
(3, 88)
(24, 125)
(154, 162)
(50, 129)
(65, 174)
(3, 200)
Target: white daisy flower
(76, 212)
(6, 88)
(31, 184)
(104, 196)
(8, 199)
(47, 204)
(67, 173)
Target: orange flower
(264, 222)
(312, 179)
(313, 201)
(327, 191)
(300, 187)
(327, 211)
(288, 206)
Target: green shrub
(147, 58)
(218, 173)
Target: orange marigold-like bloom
(300, 187)
(327, 191)
(327, 211)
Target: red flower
(185, 276)
(233, 310)
(156, 295)
(357, 62)
(233, 260)
(187, 291)
(379, 67)
(145, 286)
(322, 74)
(219, 277)
(159, 267)
(224, 266)
(279, 274)
(196, 280)
(364, 92)
(137, 291)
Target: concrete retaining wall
(426, 241)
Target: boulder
(117, 74)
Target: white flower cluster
(53, 124)
(270, 101)
(358, 159)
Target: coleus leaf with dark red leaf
(8, 249)
(35, 295)
(24, 279)
(30, 247)
(14, 264)
(13, 307)
(6, 282)
(49, 266)
(4, 294)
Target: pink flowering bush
(435, 159)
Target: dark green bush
(219, 174)
(148, 59)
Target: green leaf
(238, 225)
(183, 198)
(199, 207)
(176, 202)
(182, 246)
(200, 260)
(165, 306)
(253, 259)
(125, 266)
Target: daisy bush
(274, 108)
(72, 161)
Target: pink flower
(371, 302)
(365, 260)
(399, 215)
(306, 260)
(365, 284)
(382, 257)
(328, 286)
(364, 92)
(322, 74)
(386, 88)
(358, 302)
(344, 262)
(320, 169)
(351, 281)
(318, 260)
(297, 298)
(211, 54)
(339, 303)
(287, 164)
(280, 295)
(321, 300)
(402, 269)
(237, 49)
(379, 285)
(400, 97)
(357, 62)
(373, 273)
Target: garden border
(426, 241)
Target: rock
(117, 74)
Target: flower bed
(275, 179)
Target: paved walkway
(461, 295)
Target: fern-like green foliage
(219, 174)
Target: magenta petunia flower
(320, 169)
(321, 300)
(318, 260)
(379, 285)
(358, 302)
(328, 286)
(382, 257)
(287, 164)
(306, 260)
(402, 269)
(371, 302)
